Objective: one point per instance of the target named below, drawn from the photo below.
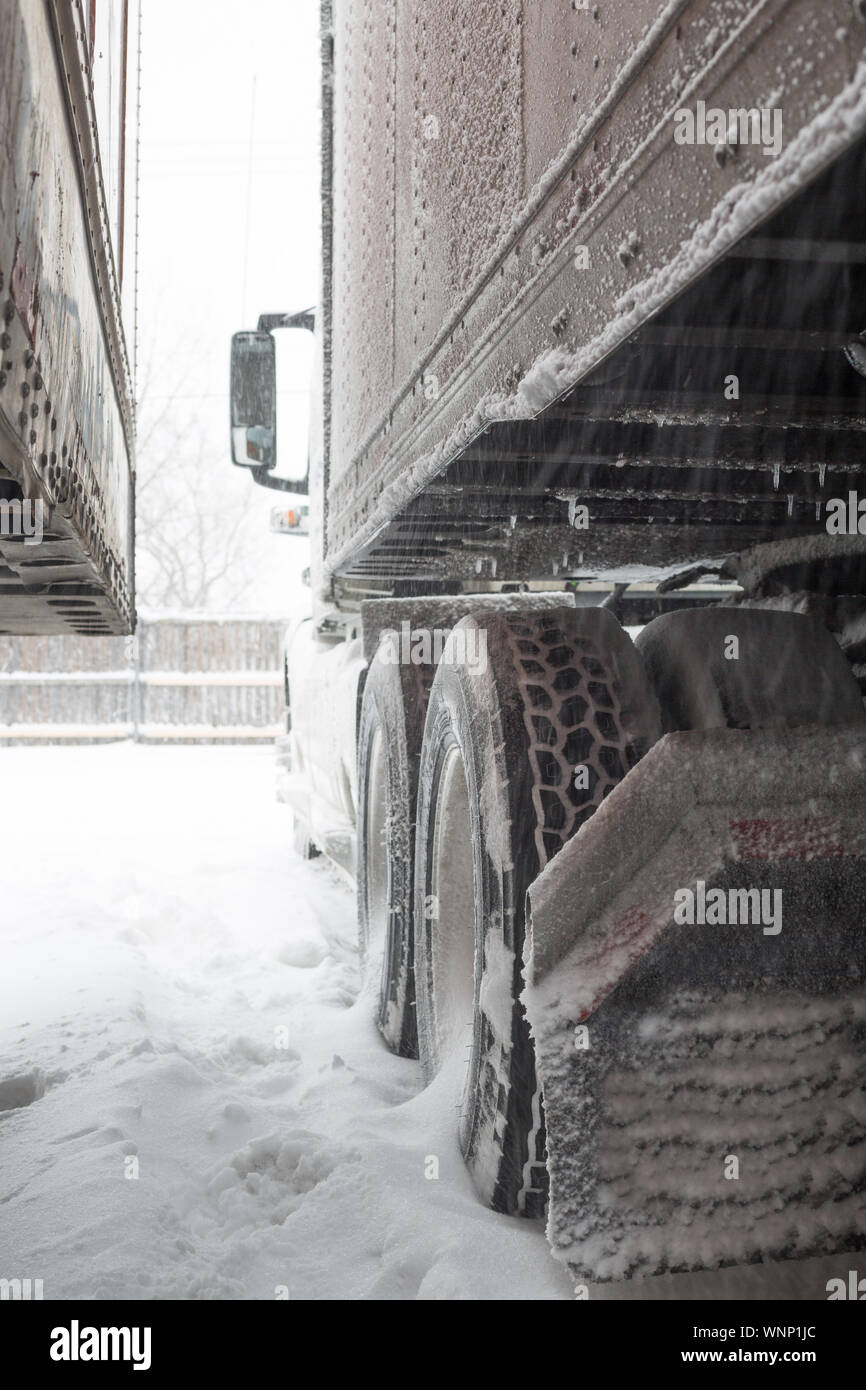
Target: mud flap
(696, 990)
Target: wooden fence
(181, 679)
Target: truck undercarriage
(675, 479)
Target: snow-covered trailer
(67, 236)
(591, 348)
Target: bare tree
(196, 542)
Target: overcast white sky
(229, 228)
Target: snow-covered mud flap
(695, 967)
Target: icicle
(790, 504)
(777, 473)
(822, 473)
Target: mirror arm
(305, 319)
(265, 479)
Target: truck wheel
(389, 746)
(747, 668)
(519, 749)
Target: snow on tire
(390, 729)
(518, 752)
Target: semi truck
(68, 227)
(579, 705)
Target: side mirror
(254, 401)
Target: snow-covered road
(194, 1102)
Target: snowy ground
(179, 989)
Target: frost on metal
(461, 300)
(66, 414)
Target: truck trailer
(68, 115)
(579, 706)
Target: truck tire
(390, 730)
(497, 798)
(783, 669)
